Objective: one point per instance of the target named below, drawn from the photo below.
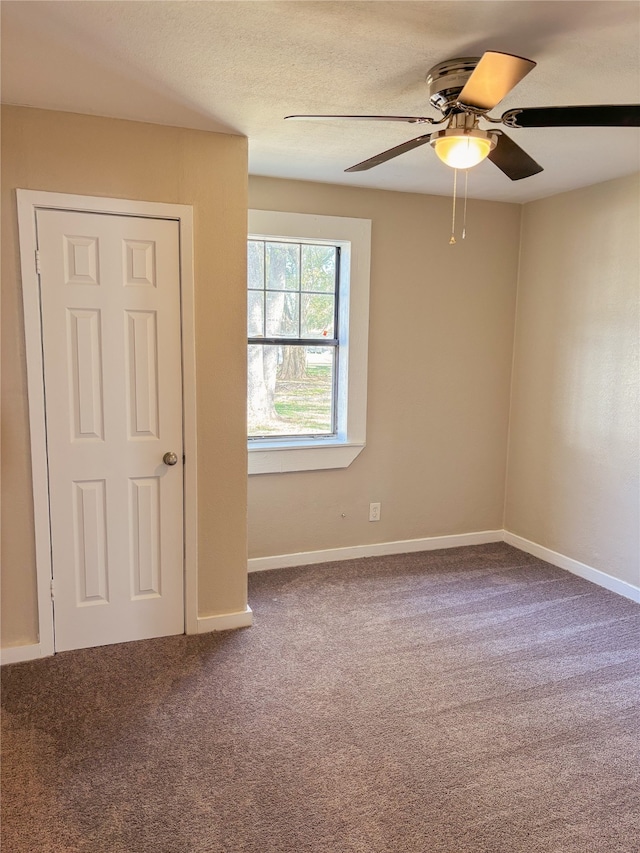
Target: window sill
(275, 459)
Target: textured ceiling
(239, 67)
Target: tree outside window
(293, 292)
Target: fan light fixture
(462, 148)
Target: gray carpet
(474, 700)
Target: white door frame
(28, 203)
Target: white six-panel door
(110, 297)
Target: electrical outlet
(374, 512)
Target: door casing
(28, 202)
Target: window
(293, 338)
(308, 294)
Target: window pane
(283, 310)
(317, 316)
(319, 268)
(255, 314)
(290, 390)
(283, 266)
(255, 263)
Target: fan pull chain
(464, 214)
(452, 240)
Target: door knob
(169, 458)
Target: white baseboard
(225, 621)
(244, 618)
(18, 654)
(403, 546)
(573, 566)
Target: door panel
(110, 296)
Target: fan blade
(389, 154)
(512, 160)
(494, 77)
(410, 119)
(607, 115)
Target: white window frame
(353, 236)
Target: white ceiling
(241, 66)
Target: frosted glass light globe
(462, 152)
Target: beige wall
(86, 155)
(573, 458)
(440, 346)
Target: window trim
(354, 238)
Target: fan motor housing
(447, 79)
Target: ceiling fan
(465, 90)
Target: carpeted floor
(474, 700)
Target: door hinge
(184, 458)
(52, 588)
(38, 262)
